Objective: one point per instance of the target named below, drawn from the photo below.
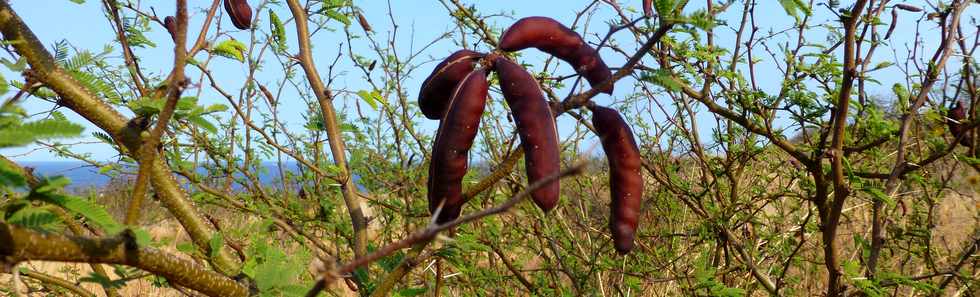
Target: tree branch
(82, 101)
(432, 230)
(334, 137)
(26, 245)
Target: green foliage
(706, 170)
(50, 190)
(231, 49)
(662, 78)
(664, 8)
(902, 96)
(332, 10)
(871, 288)
(10, 176)
(700, 19)
(217, 241)
(707, 284)
(187, 109)
(81, 66)
(276, 273)
(372, 98)
(278, 32)
(795, 7)
(14, 131)
(134, 28)
(37, 218)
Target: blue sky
(419, 21)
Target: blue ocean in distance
(84, 176)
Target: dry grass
(957, 216)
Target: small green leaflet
(217, 241)
(9, 176)
(794, 7)
(337, 16)
(662, 78)
(145, 106)
(17, 66)
(278, 31)
(17, 135)
(664, 7)
(36, 218)
(49, 190)
(372, 98)
(232, 49)
(411, 292)
(203, 123)
(882, 65)
(331, 9)
(4, 86)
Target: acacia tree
(775, 161)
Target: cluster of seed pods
(455, 93)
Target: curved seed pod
(552, 37)
(648, 7)
(536, 127)
(891, 27)
(593, 68)
(170, 23)
(451, 149)
(956, 115)
(438, 87)
(625, 181)
(908, 7)
(240, 13)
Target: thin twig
(432, 230)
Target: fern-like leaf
(50, 191)
(278, 31)
(36, 218)
(11, 177)
(232, 49)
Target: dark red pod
(437, 89)
(593, 68)
(536, 127)
(240, 13)
(625, 179)
(552, 37)
(170, 23)
(452, 145)
(648, 7)
(957, 115)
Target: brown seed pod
(891, 27)
(240, 13)
(593, 68)
(170, 23)
(957, 115)
(451, 149)
(536, 127)
(552, 37)
(625, 180)
(438, 87)
(364, 22)
(908, 7)
(648, 7)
